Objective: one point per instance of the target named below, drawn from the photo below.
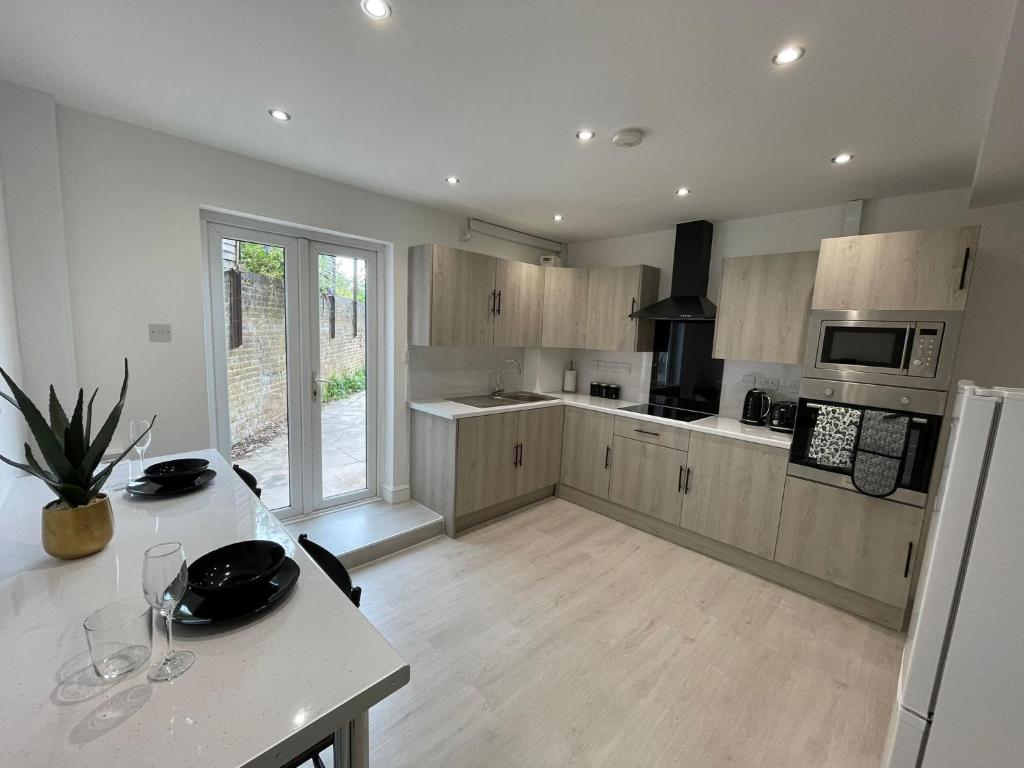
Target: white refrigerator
(961, 688)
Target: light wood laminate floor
(558, 637)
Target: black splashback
(683, 372)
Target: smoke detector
(628, 137)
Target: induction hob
(666, 411)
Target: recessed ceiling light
(682, 192)
(279, 114)
(557, 217)
(842, 158)
(787, 55)
(453, 180)
(375, 9)
(585, 134)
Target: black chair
(339, 575)
(249, 480)
(332, 566)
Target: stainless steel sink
(526, 397)
(505, 398)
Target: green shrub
(340, 386)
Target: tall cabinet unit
(613, 294)
(463, 299)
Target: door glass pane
(342, 321)
(255, 318)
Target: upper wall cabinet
(519, 303)
(763, 306)
(613, 294)
(565, 307)
(464, 299)
(928, 269)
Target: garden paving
(344, 451)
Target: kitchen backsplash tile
(436, 372)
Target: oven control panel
(924, 352)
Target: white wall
(994, 321)
(131, 206)
(35, 231)
(12, 429)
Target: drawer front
(650, 432)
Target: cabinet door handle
(906, 566)
(632, 308)
(679, 486)
(645, 432)
(492, 302)
(963, 269)
(499, 302)
(520, 454)
(607, 456)
(686, 484)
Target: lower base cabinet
(586, 450)
(735, 492)
(864, 544)
(647, 478)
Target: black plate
(145, 487)
(175, 471)
(235, 569)
(194, 609)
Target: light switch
(159, 333)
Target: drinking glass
(164, 579)
(137, 427)
(120, 637)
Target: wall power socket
(766, 383)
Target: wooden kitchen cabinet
(864, 544)
(540, 454)
(763, 306)
(927, 269)
(647, 478)
(485, 464)
(518, 304)
(450, 297)
(613, 293)
(586, 450)
(565, 307)
(735, 492)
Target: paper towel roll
(568, 381)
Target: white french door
(293, 347)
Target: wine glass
(164, 578)
(137, 428)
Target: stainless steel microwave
(902, 348)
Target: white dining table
(260, 694)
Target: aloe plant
(67, 445)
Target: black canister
(612, 391)
(593, 388)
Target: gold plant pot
(73, 532)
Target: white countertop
(713, 425)
(259, 692)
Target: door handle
(632, 308)
(686, 484)
(493, 295)
(607, 456)
(318, 380)
(963, 269)
(645, 432)
(515, 455)
(520, 454)
(906, 565)
(499, 302)
(679, 486)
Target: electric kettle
(756, 406)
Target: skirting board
(881, 613)
(462, 522)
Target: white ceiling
(494, 90)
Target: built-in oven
(829, 415)
(901, 348)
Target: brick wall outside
(256, 369)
